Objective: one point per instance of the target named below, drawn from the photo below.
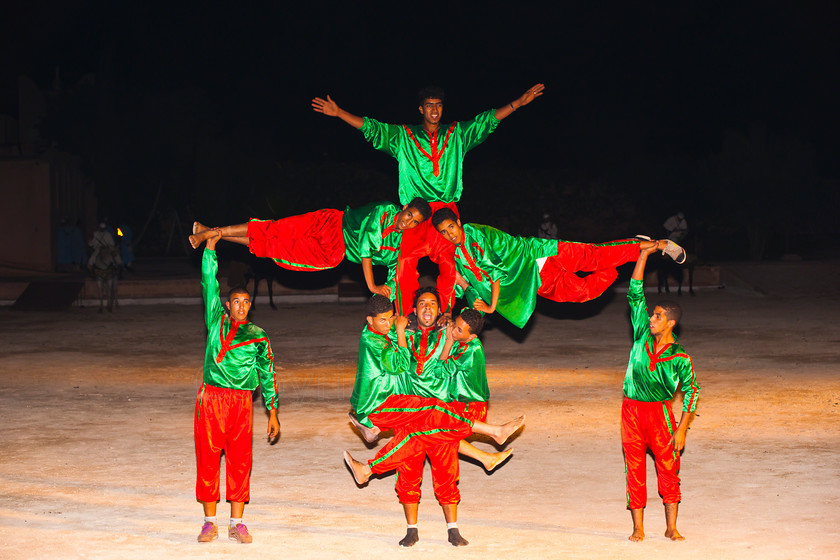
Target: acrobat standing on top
(430, 158)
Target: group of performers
(425, 379)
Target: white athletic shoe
(674, 251)
(643, 237)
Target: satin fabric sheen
(223, 421)
(430, 166)
(238, 355)
(649, 425)
(649, 381)
(488, 254)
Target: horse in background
(104, 265)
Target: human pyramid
(425, 379)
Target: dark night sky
(668, 77)
(686, 71)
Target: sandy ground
(97, 456)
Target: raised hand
(213, 239)
(326, 106)
(532, 93)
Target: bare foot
(495, 459)
(674, 535)
(361, 472)
(198, 227)
(507, 430)
(369, 434)
(455, 538)
(196, 239)
(638, 535)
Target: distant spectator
(105, 263)
(126, 248)
(71, 247)
(677, 227)
(548, 229)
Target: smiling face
(238, 306)
(382, 322)
(451, 231)
(427, 309)
(409, 218)
(432, 111)
(659, 323)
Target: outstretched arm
(213, 239)
(331, 109)
(532, 93)
(213, 309)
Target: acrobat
(319, 240)
(658, 366)
(505, 273)
(422, 425)
(430, 158)
(238, 359)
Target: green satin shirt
(370, 232)
(379, 373)
(467, 372)
(488, 254)
(430, 166)
(424, 350)
(651, 377)
(238, 355)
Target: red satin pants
(223, 421)
(649, 425)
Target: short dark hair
(430, 92)
(421, 206)
(426, 290)
(672, 310)
(378, 304)
(442, 214)
(474, 319)
(238, 289)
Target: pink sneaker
(209, 532)
(240, 534)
